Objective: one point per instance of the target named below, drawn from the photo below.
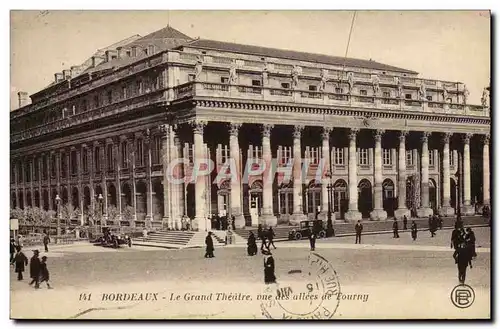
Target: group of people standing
(38, 268)
(464, 243)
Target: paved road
(400, 279)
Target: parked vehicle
(111, 237)
(307, 226)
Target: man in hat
(20, 261)
(209, 252)
(312, 238)
(44, 272)
(12, 250)
(35, 269)
(395, 229)
(269, 275)
(358, 228)
(46, 241)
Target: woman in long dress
(269, 276)
(252, 245)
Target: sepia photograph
(256, 165)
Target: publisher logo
(462, 296)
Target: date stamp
(311, 292)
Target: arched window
(313, 197)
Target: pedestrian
(129, 241)
(233, 222)
(470, 239)
(46, 241)
(457, 238)
(405, 223)
(209, 252)
(144, 234)
(252, 245)
(414, 230)
(35, 269)
(12, 250)
(462, 259)
(395, 229)
(269, 275)
(312, 238)
(359, 229)
(20, 261)
(270, 237)
(44, 272)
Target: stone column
(236, 209)
(425, 210)
(467, 209)
(132, 150)
(200, 220)
(168, 199)
(32, 176)
(267, 217)
(40, 191)
(104, 186)
(446, 209)
(486, 170)
(326, 174)
(118, 160)
(298, 213)
(48, 161)
(353, 214)
(91, 178)
(402, 209)
(181, 187)
(147, 145)
(378, 212)
(80, 187)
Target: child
(44, 272)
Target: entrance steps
(280, 232)
(178, 239)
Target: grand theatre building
(362, 139)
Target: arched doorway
(389, 197)
(157, 200)
(54, 202)
(255, 193)
(340, 200)
(21, 199)
(453, 194)
(112, 195)
(313, 199)
(86, 200)
(45, 196)
(126, 196)
(28, 199)
(75, 198)
(64, 196)
(141, 200)
(224, 199)
(365, 198)
(13, 203)
(37, 199)
(432, 194)
(190, 206)
(285, 200)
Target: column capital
(486, 139)
(84, 146)
(378, 134)
(266, 130)
(446, 137)
(165, 128)
(425, 136)
(297, 131)
(353, 133)
(467, 138)
(234, 128)
(402, 135)
(198, 126)
(326, 132)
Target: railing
(184, 90)
(250, 90)
(222, 60)
(215, 86)
(311, 94)
(390, 101)
(412, 103)
(364, 99)
(456, 106)
(281, 92)
(339, 97)
(436, 105)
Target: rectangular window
(97, 159)
(256, 83)
(408, 96)
(224, 154)
(431, 158)
(156, 151)
(84, 105)
(73, 163)
(339, 157)
(314, 156)
(363, 92)
(363, 157)
(109, 156)
(138, 87)
(139, 156)
(409, 157)
(191, 77)
(124, 152)
(286, 154)
(53, 166)
(285, 85)
(338, 90)
(85, 160)
(313, 88)
(110, 97)
(113, 57)
(124, 92)
(96, 101)
(129, 53)
(386, 94)
(387, 159)
(64, 166)
(224, 80)
(429, 98)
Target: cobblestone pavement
(400, 282)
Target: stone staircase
(178, 239)
(280, 232)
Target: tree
(113, 213)
(128, 213)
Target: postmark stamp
(311, 292)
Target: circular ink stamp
(310, 292)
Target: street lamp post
(99, 199)
(329, 223)
(58, 204)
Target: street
(399, 278)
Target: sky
(444, 45)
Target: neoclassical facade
(155, 128)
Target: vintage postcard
(250, 165)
